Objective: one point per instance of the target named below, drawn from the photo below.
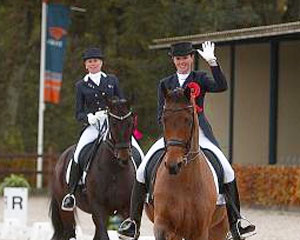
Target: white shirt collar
(96, 77)
(182, 77)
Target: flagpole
(39, 167)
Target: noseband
(111, 142)
(189, 156)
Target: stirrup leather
(125, 225)
(63, 201)
(238, 225)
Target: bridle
(120, 117)
(189, 155)
(112, 143)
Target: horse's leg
(163, 234)
(172, 236)
(160, 229)
(203, 236)
(99, 218)
(219, 231)
(220, 226)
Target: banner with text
(58, 20)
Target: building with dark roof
(257, 121)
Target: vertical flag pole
(41, 98)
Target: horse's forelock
(178, 96)
(119, 105)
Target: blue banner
(58, 20)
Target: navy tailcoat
(207, 84)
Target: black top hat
(92, 53)
(181, 49)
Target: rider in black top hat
(91, 94)
(182, 54)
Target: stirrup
(63, 201)
(247, 223)
(238, 225)
(125, 226)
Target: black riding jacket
(91, 98)
(207, 84)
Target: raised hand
(207, 53)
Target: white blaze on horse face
(183, 64)
(93, 65)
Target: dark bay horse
(184, 194)
(109, 180)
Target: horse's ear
(187, 93)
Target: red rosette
(195, 89)
(195, 92)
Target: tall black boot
(130, 228)
(233, 211)
(69, 201)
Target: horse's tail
(56, 219)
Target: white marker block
(15, 204)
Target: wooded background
(124, 29)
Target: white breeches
(204, 143)
(89, 135)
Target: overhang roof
(232, 35)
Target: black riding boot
(233, 211)
(69, 202)
(130, 228)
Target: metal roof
(232, 35)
